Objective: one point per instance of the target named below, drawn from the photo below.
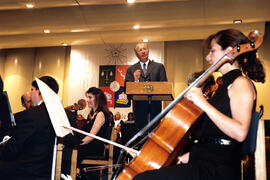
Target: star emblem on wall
(115, 53)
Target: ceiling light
(145, 40)
(29, 5)
(237, 21)
(136, 27)
(130, 1)
(80, 30)
(46, 31)
(64, 44)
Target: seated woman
(98, 125)
(215, 152)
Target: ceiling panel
(111, 21)
(21, 4)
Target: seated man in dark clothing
(2, 114)
(1, 85)
(26, 100)
(28, 153)
(128, 128)
(5, 118)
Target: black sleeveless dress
(95, 147)
(213, 155)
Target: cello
(177, 120)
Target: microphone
(146, 78)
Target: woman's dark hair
(100, 99)
(130, 114)
(111, 119)
(249, 63)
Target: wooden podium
(158, 91)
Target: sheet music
(55, 109)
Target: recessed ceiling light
(136, 27)
(46, 31)
(145, 40)
(237, 21)
(64, 44)
(29, 5)
(130, 1)
(80, 30)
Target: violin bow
(96, 168)
(131, 151)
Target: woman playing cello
(215, 152)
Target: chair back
(106, 160)
(249, 145)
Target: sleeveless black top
(225, 154)
(96, 147)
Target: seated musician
(111, 119)
(26, 100)
(3, 113)
(97, 101)
(28, 154)
(216, 149)
(5, 123)
(128, 128)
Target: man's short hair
(50, 81)
(146, 44)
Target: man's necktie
(144, 69)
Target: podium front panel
(159, 91)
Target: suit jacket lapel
(138, 66)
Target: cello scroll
(255, 42)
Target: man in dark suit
(3, 110)
(145, 70)
(28, 153)
(26, 100)
(1, 85)
(5, 117)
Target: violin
(81, 122)
(210, 89)
(80, 105)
